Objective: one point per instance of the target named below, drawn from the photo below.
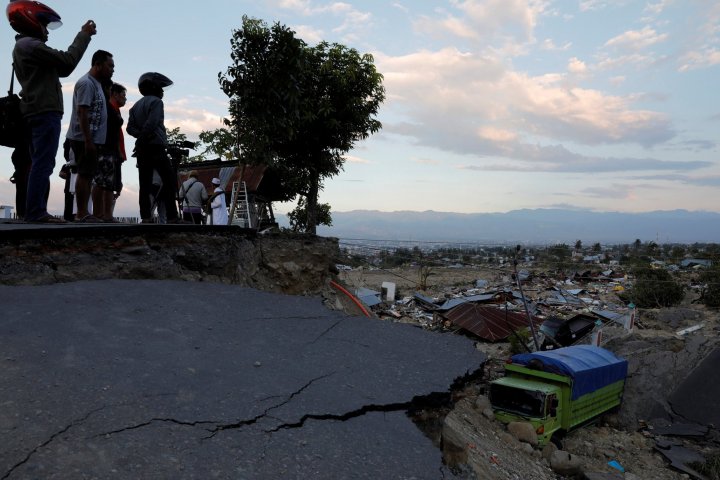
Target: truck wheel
(555, 439)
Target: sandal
(89, 219)
(47, 219)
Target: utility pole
(522, 296)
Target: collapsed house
(562, 314)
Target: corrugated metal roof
(227, 172)
(368, 297)
(454, 302)
(425, 301)
(488, 323)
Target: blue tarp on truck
(589, 367)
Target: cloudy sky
(492, 105)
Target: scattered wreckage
(567, 315)
(495, 315)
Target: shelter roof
(259, 179)
(488, 323)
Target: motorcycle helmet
(153, 83)
(32, 18)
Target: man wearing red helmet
(38, 69)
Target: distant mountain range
(539, 226)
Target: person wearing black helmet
(146, 123)
(38, 69)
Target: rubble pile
(646, 439)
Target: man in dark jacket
(38, 69)
(147, 124)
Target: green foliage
(654, 288)
(298, 216)
(175, 135)
(560, 251)
(299, 108)
(424, 274)
(519, 340)
(711, 292)
(218, 143)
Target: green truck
(559, 390)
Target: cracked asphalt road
(165, 379)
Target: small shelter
(250, 189)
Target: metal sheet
(488, 323)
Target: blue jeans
(44, 140)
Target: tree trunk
(311, 205)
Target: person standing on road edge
(146, 123)
(88, 129)
(38, 69)
(118, 98)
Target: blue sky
(494, 105)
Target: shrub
(654, 288)
(711, 292)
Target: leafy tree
(298, 217)
(597, 248)
(652, 249)
(578, 245)
(299, 108)
(654, 288)
(710, 295)
(677, 253)
(218, 143)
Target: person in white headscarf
(218, 205)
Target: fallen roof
(489, 323)
(368, 297)
(454, 302)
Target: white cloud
(699, 59)
(507, 24)
(495, 134)
(472, 104)
(352, 20)
(549, 45)
(659, 7)
(191, 121)
(308, 34)
(401, 7)
(635, 40)
(357, 160)
(703, 46)
(577, 66)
